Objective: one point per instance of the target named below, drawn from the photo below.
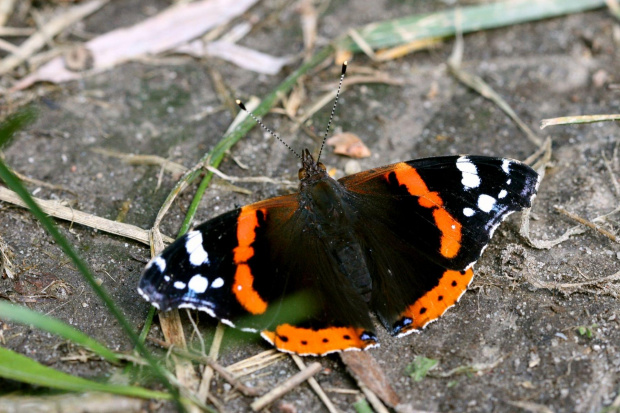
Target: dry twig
(55, 210)
(315, 386)
(285, 387)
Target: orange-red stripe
(450, 228)
(243, 287)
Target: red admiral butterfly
(399, 240)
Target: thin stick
(587, 223)
(259, 179)
(68, 214)
(372, 398)
(316, 386)
(287, 386)
(207, 374)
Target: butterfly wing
(244, 267)
(441, 214)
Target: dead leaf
(162, 32)
(348, 144)
(241, 56)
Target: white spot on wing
(193, 246)
(486, 202)
(506, 166)
(159, 262)
(502, 194)
(469, 172)
(217, 283)
(179, 285)
(166, 278)
(198, 284)
(468, 212)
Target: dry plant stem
(8, 47)
(477, 84)
(570, 120)
(226, 375)
(71, 402)
(480, 86)
(43, 183)
(48, 31)
(135, 159)
(58, 211)
(568, 288)
(315, 386)
(222, 371)
(207, 374)
(259, 179)
(14, 31)
(255, 363)
(6, 9)
(285, 387)
(373, 399)
(587, 223)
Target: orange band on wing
(434, 303)
(450, 232)
(306, 341)
(450, 228)
(243, 287)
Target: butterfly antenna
(331, 117)
(262, 125)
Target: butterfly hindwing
(442, 214)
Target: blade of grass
(16, 366)
(13, 183)
(24, 315)
(473, 18)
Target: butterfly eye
(303, 174)
(321, 166)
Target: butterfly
(398, 241)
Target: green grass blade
(466, 19)
(18, 367)
(23, 315)
(13, 183)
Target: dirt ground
(519, 324)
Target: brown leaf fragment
(348, 144)
(363, 366)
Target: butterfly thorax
(329, 218)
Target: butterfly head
(310, 170)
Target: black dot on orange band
(454, 283)
(304, 342)
(463, 272)
(325, 340)
(283, 338)
(422, 310)
(440, 298)
(346, 337)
